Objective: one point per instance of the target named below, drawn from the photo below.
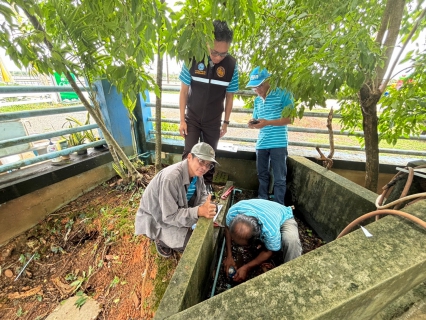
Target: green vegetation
(402, 144)
(36, 106)
(78, 138)
(164, 275)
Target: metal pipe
(298, 129)
(24, 267)
(308, 144)
(218, 268)
(48, 156)
(37, 137)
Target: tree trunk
(368, 101)
(158, 112)
(167, 69)
(371, 91)
(116, 150)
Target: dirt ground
(88, 247)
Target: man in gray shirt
(175, 199)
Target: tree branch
(396, 8)
(384, 24)
(416, 25)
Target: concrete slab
(69, 311)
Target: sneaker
(163, 251)
(210, 190)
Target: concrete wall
(30, 209)
(359, 177)
(327, 201)
(350, 278)
(242, 172)
(189, 283)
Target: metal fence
(241, 137)
(12, 142)
(238, 135)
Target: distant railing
(149, 134)
(290, 128)
(5, 143)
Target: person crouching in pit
(267, 221)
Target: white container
(51, 147)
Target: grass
(36, 106)
(402, 144)
(164, 275)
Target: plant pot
(103, 147)
(82, 152)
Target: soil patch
(86, 247)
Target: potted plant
(78, 138)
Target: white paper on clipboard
(219, 207)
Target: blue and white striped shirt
(185, 77)
(270, 215)
(271, 109)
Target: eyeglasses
(206, 164)
(214, 53)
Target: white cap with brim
(204, 151)
(257, 77)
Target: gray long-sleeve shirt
(163, 212)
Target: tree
(162, 31)
(106, 39)
(321, 48)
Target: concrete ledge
(189, 282)
(351, 278)
(327, 201)
(30, 209)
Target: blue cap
(257, 77)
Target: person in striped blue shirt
(272, 141)
(207, 90)
(272, 223)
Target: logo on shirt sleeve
(220, 72)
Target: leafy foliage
(97, 39)
(78, 138)
(407, 103)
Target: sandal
(163, 251)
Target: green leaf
(80, 301)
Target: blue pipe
(218, 268)
(221, 251)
